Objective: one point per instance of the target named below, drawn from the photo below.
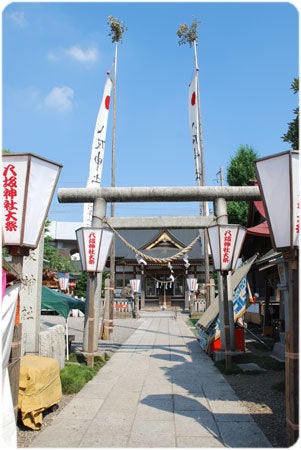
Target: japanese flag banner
(98, 148)
(194, 120)
(195, 131)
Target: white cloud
(86, 57)
(18, 17)
(60, 99)
(52, 56)
(77, 53)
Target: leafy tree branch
(117, 29)
(292, 134)
(186, 34)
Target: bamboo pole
(227, 331)
(91, 321)
(200, 165)
(136, 305)
(107, 327)
(292, 351)
(14, 365)
(112, 252)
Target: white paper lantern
(226, 243)
(192, 284)
(28, 184)
(94, 245)
(279, 183)
(135, 284)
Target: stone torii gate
(219, 195)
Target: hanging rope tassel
(150, 258)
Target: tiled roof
(65, 231)
(138, 239)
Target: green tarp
(59, 302)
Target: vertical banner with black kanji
(98, 148)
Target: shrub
(74, 377)
(77, 358)
(99, 361)
(76, 373)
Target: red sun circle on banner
(107, 102)
(193, 98)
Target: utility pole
(221, 177)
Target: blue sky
(54, 62)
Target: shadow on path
(200, 392)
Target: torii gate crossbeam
(100, 196)
(160, 194)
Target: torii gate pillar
(99, 212)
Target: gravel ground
(266, 405)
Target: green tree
(240, 171)
(81, 285)
(292, 134)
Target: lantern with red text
(192, 284)
(28, 184)
(279, 184)
(135, 285)
(94, 245)
(226, 243)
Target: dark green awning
(59, 302)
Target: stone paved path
(158, 390)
